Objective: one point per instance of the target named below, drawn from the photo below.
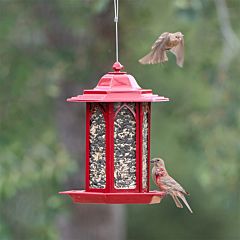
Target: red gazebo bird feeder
(118, 125)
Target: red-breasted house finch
(173, 42)
(167, 184)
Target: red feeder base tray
(81, 196)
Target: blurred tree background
(50, 50)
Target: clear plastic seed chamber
(118, 126)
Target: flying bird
(172, 42)
(167, 184)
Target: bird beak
(152, 161)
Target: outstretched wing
(178, 51)
(157, 54)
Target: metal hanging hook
(116, 25)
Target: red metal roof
(117, 86)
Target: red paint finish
(87, 175)
(117, 87)
(115, 198)
(138, 155)
(149, 139)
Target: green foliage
(33, 162)
(197, 133)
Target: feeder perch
(118, 120)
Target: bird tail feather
(176, 200)
(184, 200)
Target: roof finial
(117, 67)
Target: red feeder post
(118, 119)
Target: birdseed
(97, 146)
(124, 146)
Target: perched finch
(173, 42)
(167, 183)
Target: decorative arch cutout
(130, 106)
(125, 148)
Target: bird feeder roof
(117, 86)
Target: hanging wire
(116, 25)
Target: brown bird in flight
(173, 42)
(168, 184)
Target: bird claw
(164, 194)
